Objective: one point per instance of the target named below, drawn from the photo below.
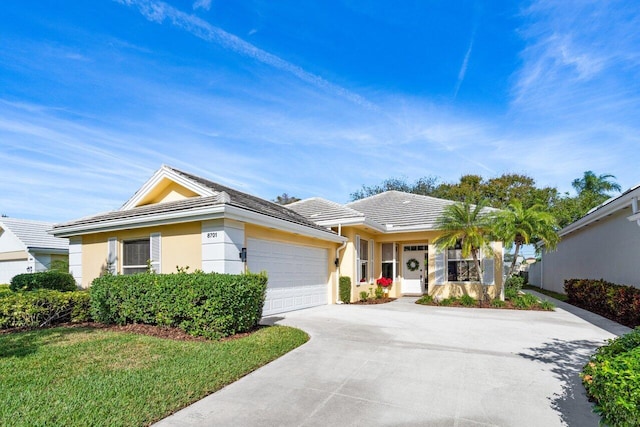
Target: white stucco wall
(607, 249)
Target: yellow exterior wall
(181, 245)
(167, 191)
(252, 231)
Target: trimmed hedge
(612, 380)
(56, 280)
(616, 302)
(345, 289)
(202, 304)
(43, 307)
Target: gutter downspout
(340, 249)
(634, 208)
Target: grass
(84, 376)
(559, 297)
(517, 302)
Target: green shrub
(345, 289)
(379, 292)
(4, 290)
(525, 301)
(448, 301)
(425, 299)
(497, 303)
(612, 380)
(616, 302)
(43, 307)
(510, 293)
(202, 304)
(364, 295)
(514, 282)
(55, 280)
(547, 305)
(467, 300)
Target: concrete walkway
(404, 364)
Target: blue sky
(312, 98)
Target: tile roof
(389, 210)
(34, 233)
(398, 209)
(318, 210)
(225, 196)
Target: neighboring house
(26, 247)
(391, 235)
(177, 220)
(604, 244)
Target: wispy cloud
(202, 4)
(159, 12)
(465, 63)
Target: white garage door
(298, 275)
(8, 269)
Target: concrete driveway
(404, 364)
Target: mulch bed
(141, 329)
(374, 301)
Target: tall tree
(600, 185)
(518, 226)
(285, 199)
(469, 225)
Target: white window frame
(362, 264)
(393, 261)
(459, 258)
(124, 258)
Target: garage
(298, 275)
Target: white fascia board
(207, 213)
(604, 211)
(337, 222)
(244, 215)
(48, 251)
(635, 217)
(407, 229)
(210, 212)
(165, 172)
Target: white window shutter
(371, 260)
(440, 267)
(358, 260)
(487, 274)
(155, 244)
(112, 255)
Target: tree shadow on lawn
(566, 360)
(24, 343)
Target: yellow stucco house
(177, 219)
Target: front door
(414, 271)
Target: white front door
(414, 271)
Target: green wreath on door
(413, 264)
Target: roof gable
(166, 185)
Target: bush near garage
(202, 304)
(616, 302)
(345, 289)
(43, 307)
(612, 380)
(55, 280)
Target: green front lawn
(85, 376)
(559, 297)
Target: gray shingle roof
(400, 209)
(34, 233)
(225, 196)
(318, 210)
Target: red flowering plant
(385, 282)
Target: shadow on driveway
(565, 360)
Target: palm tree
(517, 226)
(599, 185)
(469, 225)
